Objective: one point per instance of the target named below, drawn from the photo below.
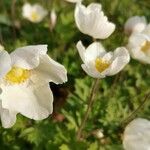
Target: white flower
(135, 24)
(1, 47)
(34, 13)
(24, 83)
(139, 45)
(73, 1)
(98, 63)
(91, 21)
(137, 135)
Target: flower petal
(5, 63)
(135, 24)
(50, 70)
(93, 51)
(137, 39)
(35, 102)
(108, 56)
(147, 30)
(103, 30)
(137, 135)
(8, 117)
(95, 7)
(81, 50)
(26, 10)
(121, 58)
(40, 11)
(81, 18)
(28, 57)
(91, 71)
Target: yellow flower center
(101, 64)
(17, 75)
(34, 16)
(146, 47)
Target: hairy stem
(91, 100)
(147, 96)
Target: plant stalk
(91, 100)
(147, 96)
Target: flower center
(34, 16)
(146, 47)
(17, 75)
(101, 64)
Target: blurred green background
(117, 97)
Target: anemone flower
(34, 13)
(90, 20)
(139, 45)
(98, 63)
(24, 83)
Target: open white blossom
(34, 13)
(98, 63)
(135, 24)
(24, 83)
(91, 21)
(139, 45)
(137, 135)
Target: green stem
(136, 110)
(91, 100)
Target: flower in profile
(24, 83)
(98, 63)
(139, 45)
(137, 135)
(53, 19)
(34, 13)
(91, 21)
(135, 24)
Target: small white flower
(137, 135)
(1, 47)
(53, 19)
(98, 63)
(139, 45)
(73, 1)
(135, 24)
(91, 21)
(34, 13)
(24, 83)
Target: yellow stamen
(34, 16)
(101, 64)
(146, 47)
(17, 75)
